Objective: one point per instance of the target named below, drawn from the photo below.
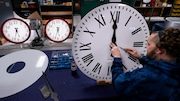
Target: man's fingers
(112, 45)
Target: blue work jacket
(155, 81)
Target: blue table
(69, 88)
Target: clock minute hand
(114, 32)
(16, 34)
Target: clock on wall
(15, 30)
(57, 29)
(112, 22)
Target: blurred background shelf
(176, 9)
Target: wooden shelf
(68, 20)
(57, 13)
(161, 9)
(176, 9)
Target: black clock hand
(57, 29)
(16, 30)
(54, 95)
(114, 32)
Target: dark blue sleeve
(125, 83)
(140, 81)
(116, 68)
(143, 60)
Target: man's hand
(115, 52)
(133, 52)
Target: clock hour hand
(16, 30)
(114, 32)
(57, 29)
(57, 32)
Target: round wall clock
(112, 22)
(15, 30)
(57, 30)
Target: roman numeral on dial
(88, 59)
(127, 20)
(100, 20)
(97, 68)
(90, 32)
(136, 31)
(85, 46)
(132, 58)
(138, 44)
(116, 14)
(109, 70)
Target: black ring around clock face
(57, 29)
(12, 30)
(112, 22)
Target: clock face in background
(113, 22)
(15, 30)
(146, 1)
(57, 30)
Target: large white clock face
(15, 30)
(113, 22)
(57, 29)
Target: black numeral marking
(97, 68)
(90, 32)
(85, 46)
(109, 70)
(117, 16)
(102, 22)
(88, 59)
(138, 44)
(136, 31)
(132, 58)
(127, 21)
(15, 22)
(124, 67)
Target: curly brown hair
(170, 40)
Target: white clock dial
(146, 1)
(57, 30)
(15, 30)
(112, 22)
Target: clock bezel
(52, 19)
(8, 39)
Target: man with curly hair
(159, 79)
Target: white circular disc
(35, 61)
